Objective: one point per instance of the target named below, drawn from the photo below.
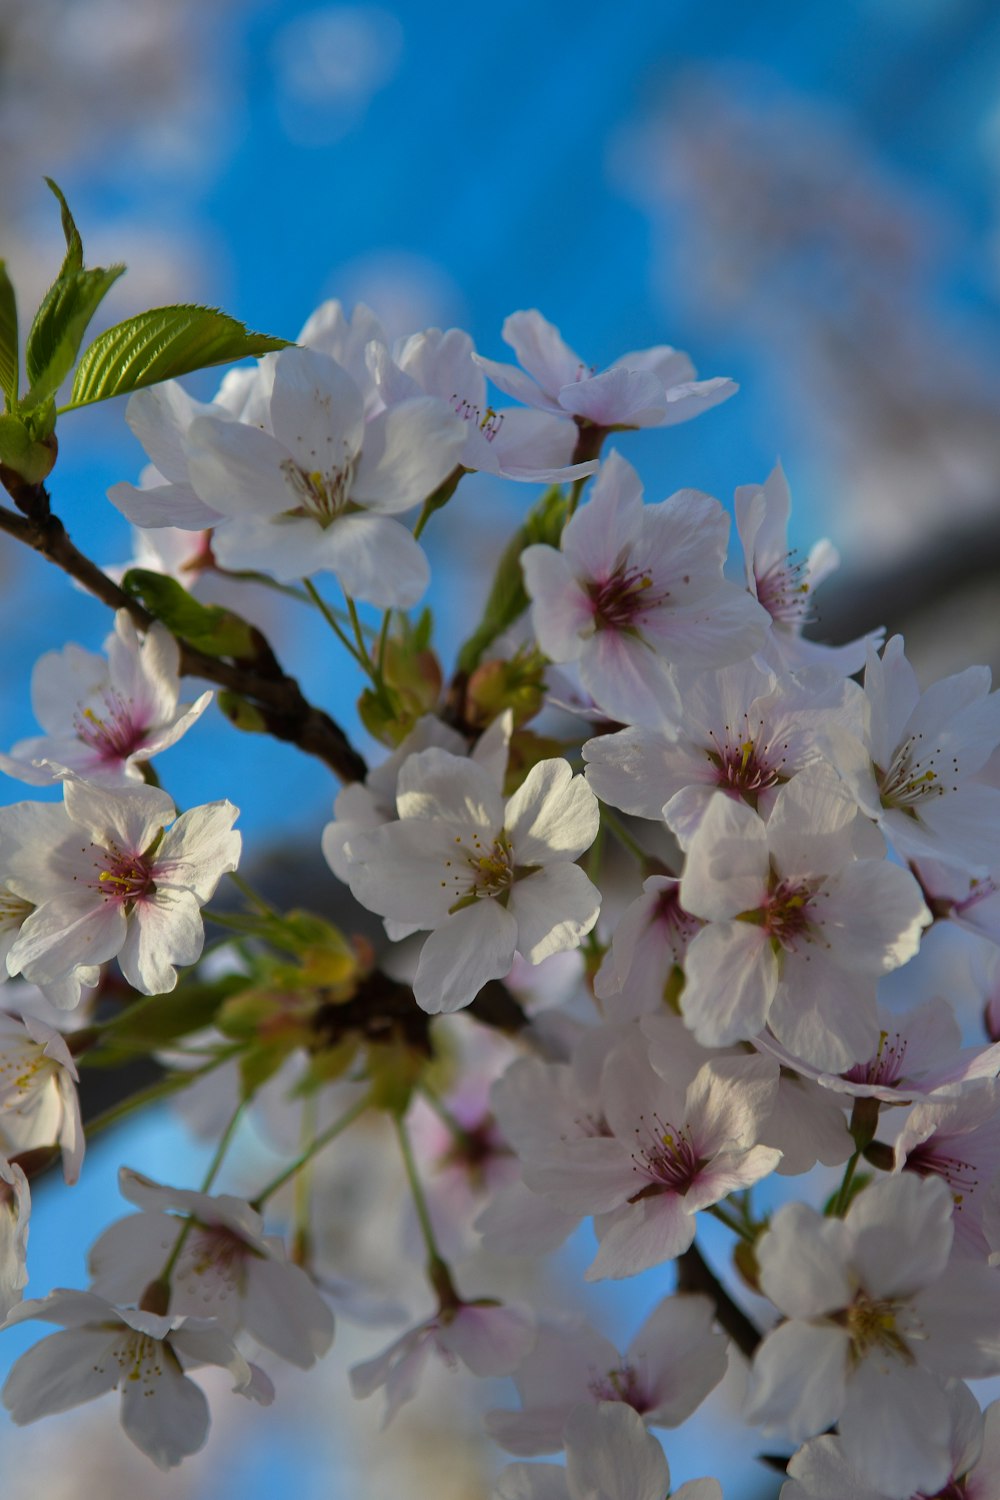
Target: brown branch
(286, 713)
(695, 1275)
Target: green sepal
(857, 1185)
(21, 453)
(206, 627)
(161, 345)
(73, 259)
(508, 599)
(156, 1020)
(60, 323)
(241, 713)
(8, 337)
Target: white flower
(784, 583)
(318, 489)
(227, 1269)
(103, 1348)
(38, 1098)
(914, 769)
(125, 885)
(15, 1212)
(635, 590)
(488, 879)
(103, 718)
(820, 1470)
(487, 1337)
(647, 952)
(649, 388)
(876, 1321)
(958, 1140)
(798, 930)
(670, 1366)
(609, 1456)
(517, 444)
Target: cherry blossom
(120, 882)
(670, 1366)
(488, 878)
(958, 1140)
(635, 590)
(15, 1213)
(609, 1456)
(103, 1348)
(227, 1269)
(650, 388)
(876, 1321)
(104, 718)
(645, 962)
(39, 1105)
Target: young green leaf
(207, 627)
(73, 259)
(160, 345)
(22, 453)
(8, 337)
(59, 326)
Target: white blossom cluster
(718, 1018)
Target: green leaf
(59, 326)
(207, 627)
(20, 452)
(508, 599)
(73, 259)
(160, 345)
(158, 1019)
(8, 337)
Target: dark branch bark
(695, 1275)
(279, 700)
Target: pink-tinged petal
(681, 1356)
(552, 815)
(166, 1416)
(893, 693)
(316, 411)
(554, 909)
(489, 1340)
(722, 628)
(694, 397)
(532, 1482)
(728, 1101)
(562, 614)
(821, 1012)
(165, 929)
(239, 470)
(895, 1428)
(119, 1259)
(588, 1176)
(128, 817)
(962, 827)
(602, 531)
(728, 866)
(902, 1235)
(376, 560)
(798, 1380)
(636, 769)
(534, 446)
(643, 1234)
(470, 948)
(825, 1474)
(628, 680)
(60, 678)
(611, 1456)
(731, 1172)
(160, 505)
(802, 1261)
(435, 785)
(731, 975)
(515, 383)
(409, 451)
(542, 350)
(617, 398)
(872, 914)
(65, 934)
(199, 849)
(670, 366)
(61, 1371)
(284, 1312)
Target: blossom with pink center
(39, 1105)
(784, 583)
(118, 882)
(744, 731)
(227, 1268)
(820, 1470)
(528, 445)
(609, 1456)
(914, 769)
(958, 1140)
(798, 928)
(876, 1324)
(636, 590)
(670, 1366)
(104, 718)
(649, 388)
(970, 901)
(488, 1338)
(646, 959)
(103, 1348)
(681, 1138)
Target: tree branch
(286, 713)
(695, 1275)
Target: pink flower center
(783, 590)
(621, 1384)
(786, 914)
(489, 421)
(621, 599)
(931, 1159)
(679, 926)
(914, 774)
(886, 1067)
(745, 762)
(126, 877)
(666, 1155)
(116, 735)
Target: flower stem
(844, 1195)
(438, 1272)
(621, 833)
(323, 1139)
(360, 657)
(212, 1171)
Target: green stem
(383, 638)
(161, 1089)
(323, 1139)
(719, 1212)
(232, 920)
(438, 1271)
(211, 1173)
(621, 833)
(247, 890)
(574, 497)
(843, 1197)
(359, 638)
(331, 620)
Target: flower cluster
(657, 872)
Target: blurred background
(805, 198)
